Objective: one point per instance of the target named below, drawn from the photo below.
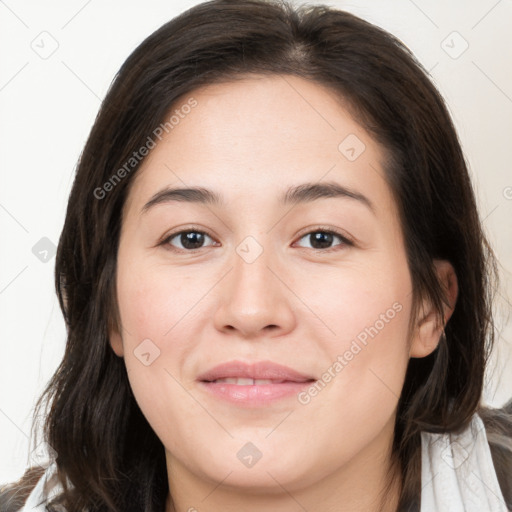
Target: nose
(255, 300)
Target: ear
(115, 340)
(429, 326)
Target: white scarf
(457, 474)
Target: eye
(193, 239)
(188, 240)
(322, 239)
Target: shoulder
(498, 426)
(472, 466)
(31, 491)
(14, 495)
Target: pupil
(192, 240)
(325, 239)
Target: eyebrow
(303, 193)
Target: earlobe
(430, 327)
(426, 337)
(116, 341)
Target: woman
(275, 283)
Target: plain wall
(58, 59)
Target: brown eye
(188, 240)
(323, 239)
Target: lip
(288, 382)
(257, 370)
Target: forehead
(261, 133)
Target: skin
(296, 304)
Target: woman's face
(320, 285)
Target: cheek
(368, 364)
(358, 302)
(360, 385)
(366, 318)
(154, 301)
(163, 308)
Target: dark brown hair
(106, 448)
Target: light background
(48, 104)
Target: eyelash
(345, 242)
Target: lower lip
(254, 395)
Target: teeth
(246, 382)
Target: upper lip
(257, 370)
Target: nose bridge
(255, 298)
(252, 278)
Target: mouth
(253, 385)
(240, 381)
(253, 373)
